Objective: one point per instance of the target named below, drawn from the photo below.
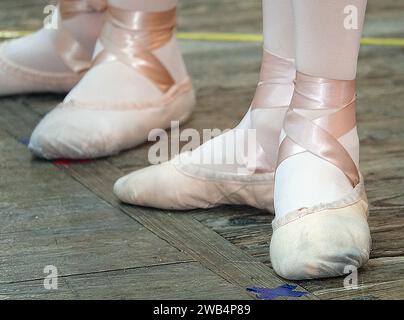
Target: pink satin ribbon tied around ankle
(271, 100)
(130, 37)
(74, 55)
(319, 134)
(276, 77)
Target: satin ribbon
(269, 106)
(130, 37)
(74, 55)
(319, 135)
(70, 8)
(276, 77)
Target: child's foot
(320, 228)
(138, 82)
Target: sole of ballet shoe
(322, 244)
(63, 133)
(17, 79)
(152, 187)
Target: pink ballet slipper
(87, 126)
(330, 238)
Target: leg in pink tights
(320, 203)
(279, 28)
(207, 176)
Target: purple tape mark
(286, 290)
(24, 141)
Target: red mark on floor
(65, 162)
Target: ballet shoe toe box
(159, 186)
(73, 134)
(323, 244)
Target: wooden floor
(64, 214)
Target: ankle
(86, 28)
(320, 145)
(153, 32)
(171, 57)
(276, 83)
(143, 58)
(272, 97)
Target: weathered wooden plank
(248, 228)
(381, 278)
(174, 281)
(392, 290)
(377, 271)
(22, 15)
(46, 222)
(25, 255)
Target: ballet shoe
(331, 238)
(202, 178)
(88, 126)
(327, 240)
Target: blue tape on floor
(24, 141)
(286, 290)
